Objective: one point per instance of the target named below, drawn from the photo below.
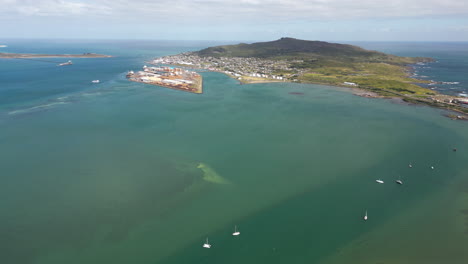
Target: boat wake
(36, 108)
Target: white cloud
(218, 10)
(20, 8)
(291, 8)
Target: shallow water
(123, 172)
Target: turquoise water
(123, 172)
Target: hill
(295, 60)
(312, 52)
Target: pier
(174, 78)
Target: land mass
(294, 60)
(32, 56)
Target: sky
(249, 20)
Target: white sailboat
(236, 233)
(379, 181)
(365, 216)
(207, 244)
(399, 180)
(95, 81)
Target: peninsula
(33, 56)
(294, 60)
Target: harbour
(169, 77)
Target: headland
(293, 60)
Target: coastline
(374, 93)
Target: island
(33, 56)
(373, 73)
(169, 77)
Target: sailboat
(207, 244)
(236, 233)
(399, 180)
(379, 181)
(365, 216)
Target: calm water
(122, 172)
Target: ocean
(123, 172)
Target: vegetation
(289, 59)
(331, 63)
(314, 53)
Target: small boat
(365, 216)
(432, 167)
(410, 165)
(379, 181)
(95, 81)
(399, 180)
(236, 233)
(207, 244)
(65, 63)
(455, 149)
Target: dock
(169, 77)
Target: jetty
(169, 77)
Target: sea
(122, 172)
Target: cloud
(216, 10)
(50, 8)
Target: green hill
(312, 52)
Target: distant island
(32, 56)
(295, 60)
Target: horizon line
(225, 40)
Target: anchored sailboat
(365, 216)
(399, 180)
(236, 233)
(207, 244)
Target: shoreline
(459, 112)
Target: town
(255, 70)
(246, 70)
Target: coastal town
(170, 77)
(247, 69)
(257, 70)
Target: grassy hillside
(313, 53)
